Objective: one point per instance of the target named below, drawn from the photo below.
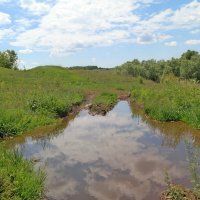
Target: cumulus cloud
(151, 38)
(24, 22)
(5, 33)
(73, 25)
(4, 18)
(188, 16)
(171, 44)
(25, 51)
(35, 7)
(68, 26)
(192, 42)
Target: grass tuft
(18, 179)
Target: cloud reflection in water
(106, 158)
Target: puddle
(120, 156)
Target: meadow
(41, 96)
(171, 100)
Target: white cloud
(72, 25)
(35, 7)
(25, 51)
(4, 1)
(171, 44)
(24, 22)
(192, 42)
(69, 26)
(5, 33)
(188, 16)
(151, 38)
(4, 18)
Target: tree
(189, 54)
(8, 59)
(187, 67)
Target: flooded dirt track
(120, 156)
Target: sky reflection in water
(113, 157)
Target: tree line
(186, 67)
(89, 67)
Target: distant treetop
(8, 59)
(185, 67)
(90, 67)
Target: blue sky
(98, 32)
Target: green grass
(39, 97)
(171, 100)
(103, 103)
(18, 179)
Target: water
(120, 156)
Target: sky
(106, 33)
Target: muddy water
(120, 156)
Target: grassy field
(41, 96)
(170, 100)
(38, 97)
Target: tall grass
(18, 179)
(103, 103)
(171, 100)
(38, 97)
